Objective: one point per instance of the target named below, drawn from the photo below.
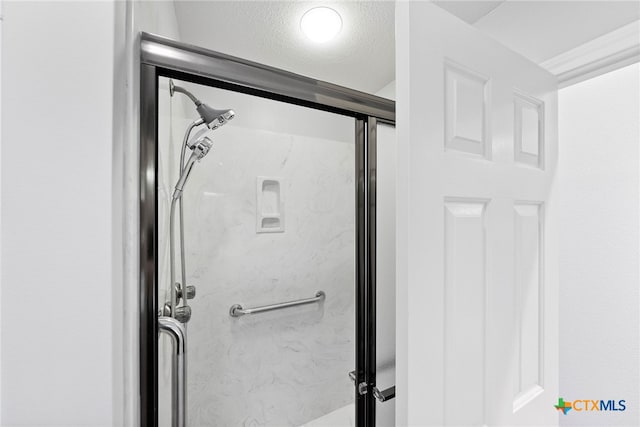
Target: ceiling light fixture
(321, 24)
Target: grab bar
(176, 331)
(236, 310)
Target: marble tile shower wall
(284, 367)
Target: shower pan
(279, 229)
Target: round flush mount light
(321, 24)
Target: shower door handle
(177, 333)
(384, 395)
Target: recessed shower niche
(269, 205)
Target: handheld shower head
(201, 148)
(210, 116)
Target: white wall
(156, 17)
(388, 91)
(1, 17)
(70, 255)
(599, 298)
(57, 110)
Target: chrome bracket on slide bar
(176, 332)
(236, 310)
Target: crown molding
(598, 56)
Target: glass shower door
(269, 217)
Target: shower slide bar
(236, 310)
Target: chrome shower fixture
(210, 116)
(214, 118)
(199, 148)
(199, 145)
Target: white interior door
(477, 275)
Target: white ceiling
(541, 30)
(362, 57)
(469, 11)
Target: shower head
(214, 118)
(210, 116)
(201, 148)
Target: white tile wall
(284, 367)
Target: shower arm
(173, 88)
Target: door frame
(163, 57)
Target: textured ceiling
(361, 57)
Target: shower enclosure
(279, 231)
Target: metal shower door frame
(162, 57)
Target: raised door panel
(465, 311)
(529, 313)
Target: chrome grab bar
(176, 331)
(236, 310)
